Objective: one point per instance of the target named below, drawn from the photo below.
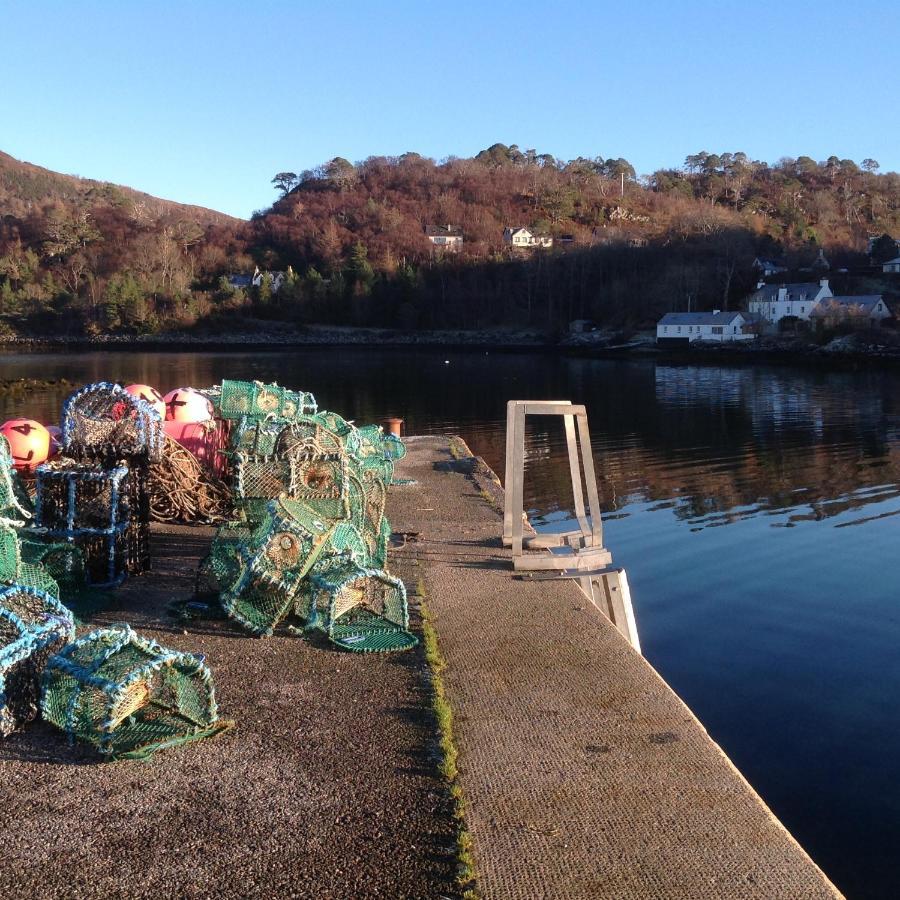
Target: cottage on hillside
(523, 239)
(244, 282)
(446, 238)
(774, 302)
(277, 279)
(675, 329)
(864, 311)
(767, 267)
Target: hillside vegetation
(353, 241)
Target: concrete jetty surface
(326, 788)
(585, 776)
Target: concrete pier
(585, 775)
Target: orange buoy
(149, 395)
(29, 442)
(187, 405)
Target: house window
(717, 329)
(679, 329)
(878, 307)
(801, 309)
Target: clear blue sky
(204, 102)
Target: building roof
(860, 305)
(803, 290)
(892, 262)
(444, 231)
(699, 318)
(240, 280)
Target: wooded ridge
(411, 243)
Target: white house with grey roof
(860, 311)
(685, 328)
(523, 239)
(892, 265)
(774, 302)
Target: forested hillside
(81, 256)
(353, 239)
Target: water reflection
(717, 445)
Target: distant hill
(625, 248)
(413, 243)
(25, 187)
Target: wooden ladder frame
(585, 560)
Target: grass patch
(449, 755)
(458, 449)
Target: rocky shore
(878, 349)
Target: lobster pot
(363, 610)
(306, 437)
(127, 695)
(273, 562)
(33, 626)
(104, 423)
(260, 478)
(255, 400)
(393, 447)
(255, 438)
(318, 477)
(92, 508)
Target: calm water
(756, 513)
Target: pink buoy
(187, 405)
(196, 437)
(149, 395)
(29, 442)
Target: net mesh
(127, 695)
(253, 399)
(273, 562)
(104, 422)
(33, 626)
(102, 511)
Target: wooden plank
(612, 596)
(518, 461)
(587, 461)
(553, 409)
(564, 562)
(575, 472)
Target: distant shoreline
(796, 353)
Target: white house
(772, 302)
(684, 328)
(863, 311)
(523, 239)
(446, 238)
(892, 265)
(277, 279)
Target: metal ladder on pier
(578, 554)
